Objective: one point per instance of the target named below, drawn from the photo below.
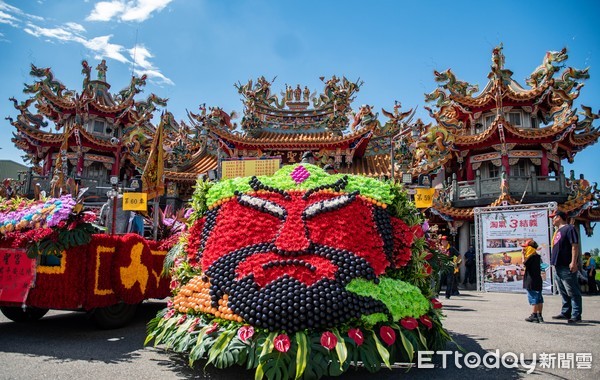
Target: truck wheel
(115, 316)
(17, 314)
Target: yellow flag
(424, 197)
(153, 182)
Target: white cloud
(5, 18)
(75, 27)
(103, 48)
(61, 34)
(142, 10)
(154, 74)
(106, 10)
(140, 55)
(126, 10)
(100, 46)
(14, 10)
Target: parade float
(52, 257)
(302, 274)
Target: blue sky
(193, 51)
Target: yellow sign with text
(424, 197)
(135, 201)
(249, 167)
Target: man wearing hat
(565, 258)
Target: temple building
(86, 136)
(503, 145)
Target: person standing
(565, 258)
(470, 266)
(589, 265)
(451, 281)
(533, 280)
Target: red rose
(436, 304)
(428, 256)
(387, 334)
(282, 343)
(328, 340)
(426, 321)
(357, 336)
(409, 323)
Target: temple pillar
(117, 165)
(48, 163)
(506, 164)
(545, 164)
(470, 171)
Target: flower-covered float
(52, 258)
(302, 275)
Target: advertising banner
(17, 272)
(502, 233)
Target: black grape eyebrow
(328, 205)
(338, 185)
(263, 205)
(256, 185)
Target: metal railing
(518, 187)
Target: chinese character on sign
(583, 360)
(565, 360)
(547, 360)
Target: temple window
(534, 122)
(99, 126)
(520, 169)
(515, 119)
(96, 171)
(490, 171)
(488, 120)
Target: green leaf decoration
(340, 348)
(410, 351)
(198, 351)
(275, 365)
(422, 338)
(370, 360)
(166, 329)
(401, 298)
(219, 345)
(383, 352)
(266, 349)
(301, 353)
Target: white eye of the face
(327, 205)
(263, 205)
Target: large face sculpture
(281, 259)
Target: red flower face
(284, 259)
(292, 227)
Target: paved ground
(65, 345)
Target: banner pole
(155, 224)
